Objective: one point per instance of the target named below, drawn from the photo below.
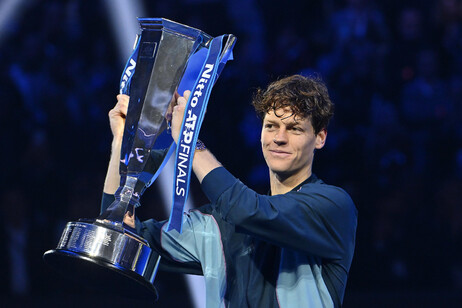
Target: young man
(292, 248)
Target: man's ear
(321, 139)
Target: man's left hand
(178, 114)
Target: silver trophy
(104, 253)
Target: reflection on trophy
(104, 252)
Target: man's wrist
(200, 146)
(203, 163)
(116, 141)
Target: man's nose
(280, 137)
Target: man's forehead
(285, 114)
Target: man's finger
(122, 104)
(181, 101)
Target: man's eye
(269, 125)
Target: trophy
(168, 57)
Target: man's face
(288, 143)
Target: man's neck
(281, 185)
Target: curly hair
(307, 97)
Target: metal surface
(97, 255)
(101, 252)
(164, 50)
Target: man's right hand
(117, 116)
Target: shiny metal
(164, 50)
(103, 253)
(120, 249)
(92, 253)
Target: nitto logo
(127, 74)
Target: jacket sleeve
(317, 219)
(106, 201)
(178, 257)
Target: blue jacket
(290, 250)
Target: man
(292, 248)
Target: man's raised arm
(117, 122)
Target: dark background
(394, 70)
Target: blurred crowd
(394, 71)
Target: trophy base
(106, 260)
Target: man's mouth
(279, 153)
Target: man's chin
(284, 173)
(281, 172)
